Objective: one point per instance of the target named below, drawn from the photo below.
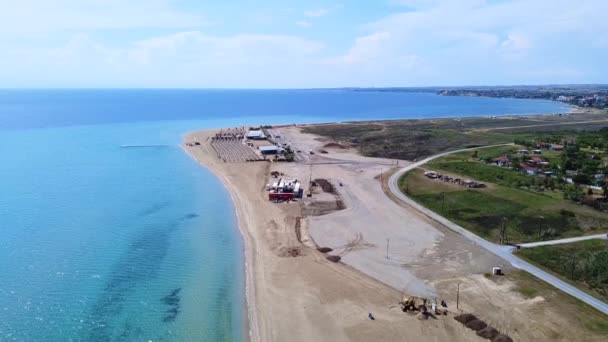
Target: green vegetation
(482, 172)
(530, 215)
(584, 315)
(414, 139)
(407, 139)
(585, 155)
(520, 198)
(575, 163)
(289, 154)
(585, 263)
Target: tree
(573, 192)
(581, 178)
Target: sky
(301, 44)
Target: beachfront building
(256, 135)
(271, 149)
(285, 190)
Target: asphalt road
(560, 241)
(504, 252)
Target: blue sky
(301, 44)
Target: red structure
(283, 196)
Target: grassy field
(405, 139)
(414, 139)
(584, 263)
(583, 315)
(530, 215)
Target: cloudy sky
(301, 44)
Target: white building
(256, 135)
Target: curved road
(504, 252)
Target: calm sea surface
(101, 242)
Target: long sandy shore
(294, 293)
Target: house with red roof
(528, 169)
(538, 161)
(502, 161)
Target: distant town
(585, 96)
(592, 96)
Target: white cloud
(185, 59)
(303, 23)
(415, 3)
(434, 42)
(366, 49)
(243, 48)
(477, 41)
(43, 16)
(516, 45)
(317, 13)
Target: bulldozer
(413, 304)
(422, 305)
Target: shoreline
(297, 296)
(250, 324)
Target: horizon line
(314, 88)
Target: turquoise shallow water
(117, 243)
(100, 242)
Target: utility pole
(573, 266)
(310, 182)
(506, 233)
(387, 242)
(503, 232)
(458, 296)
(540, 225)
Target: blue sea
(110, 232)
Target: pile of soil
(476, 325)
(325, 185)
(340, 204)
(334, 258)
(324, 249)
(334, 145)
(482, 329)
(290, 252)
(465, 318)
(502, 338)
(488, 333)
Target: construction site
(324, 222)
(264, 144)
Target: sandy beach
(387, 250)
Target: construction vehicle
(417, 304)
(413, 304)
